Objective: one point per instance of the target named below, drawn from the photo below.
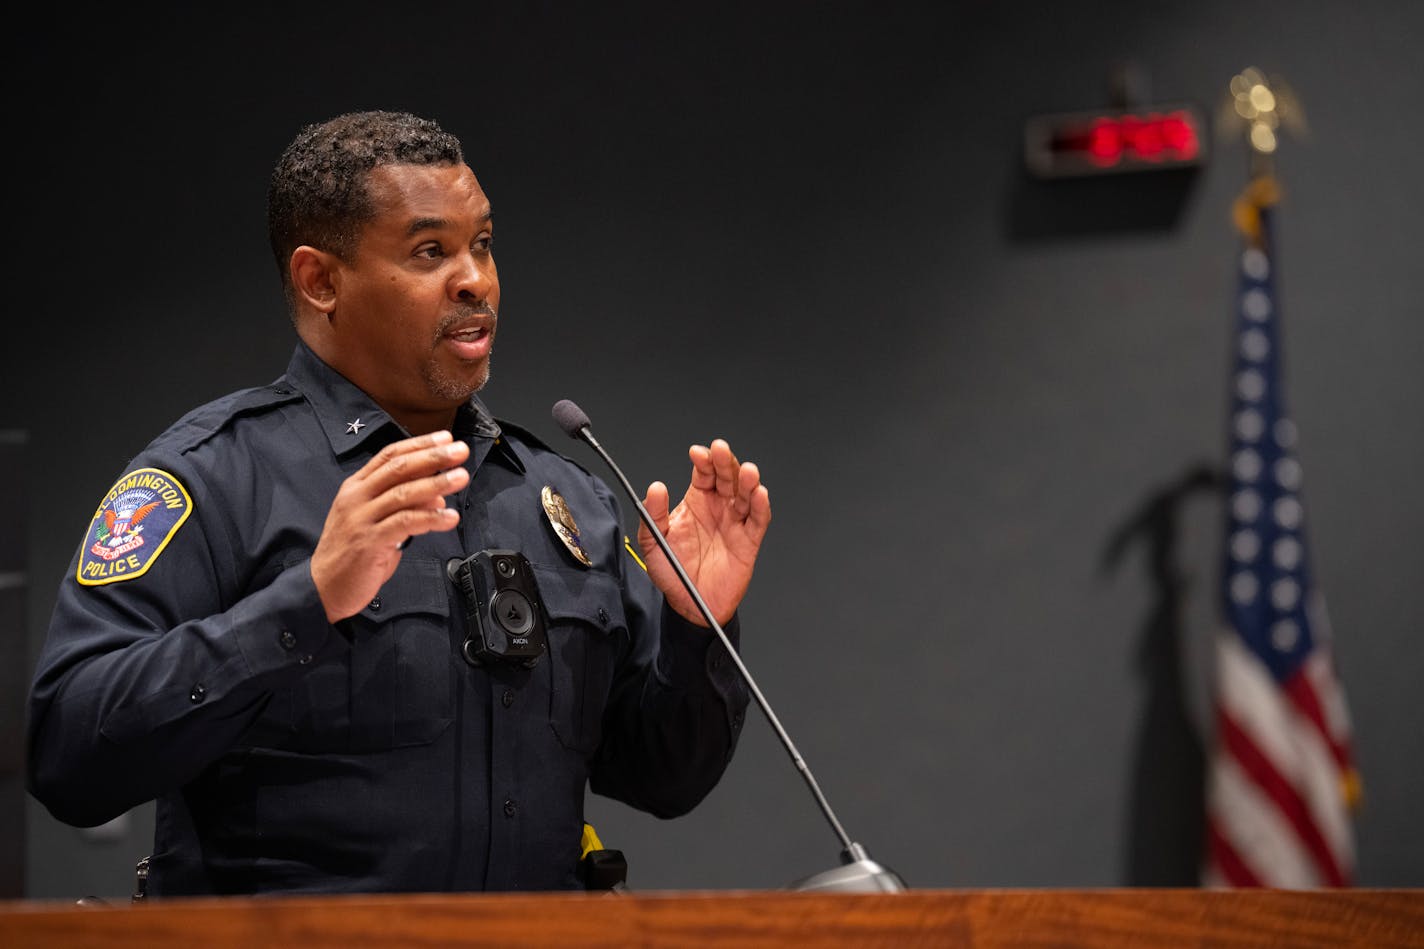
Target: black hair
(318, 194)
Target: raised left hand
(715, 531)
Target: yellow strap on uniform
(590, 841)
(628, 546)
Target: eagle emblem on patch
(134, 522)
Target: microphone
(857, 873)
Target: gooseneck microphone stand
(857, 872)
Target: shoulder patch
(134, 522)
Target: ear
(313, 281)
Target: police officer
(259, 629)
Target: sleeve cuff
(693, 659)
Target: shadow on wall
(1166, 815)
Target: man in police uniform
(259, 630)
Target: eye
(483, 244)
(431, 251)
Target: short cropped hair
(319, 195)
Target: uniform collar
(353, 421)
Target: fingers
(414, 474)
(704, 477)
(714, 468)
(399, 494)
(752, 505)
(748, 479)
(409, 459)
(725, 467)
(423, 495)
(411, 522)
(759, 511)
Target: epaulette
(205, 421)
(507, 427)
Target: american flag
(1281, 784)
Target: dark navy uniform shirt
(189, 660)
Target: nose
(472, 282)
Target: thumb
(655, 502)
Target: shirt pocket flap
(589, 597)
(419, 586)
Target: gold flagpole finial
(1260, 108)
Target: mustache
(464, 314)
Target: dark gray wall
(804, 227)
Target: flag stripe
(1292, 806)
(1259, 834)
(1302, 695)
(1252, 698)
(1320, 670)
(1228, 862)
(1293, 746)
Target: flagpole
(1281, 780)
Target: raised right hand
(397, 494)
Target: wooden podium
(970, 918)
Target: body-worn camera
(502, 605)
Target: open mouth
(472, 336)
(469, 334)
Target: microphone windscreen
(570, 417)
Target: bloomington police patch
(135, 521)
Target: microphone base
(858, 874)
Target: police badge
(556, 509)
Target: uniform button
(507, 698)
(602, 615)
(737, 720)
(288, 639)
(304, 659)
(376, 605)
(509, 808)
(198, 693)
